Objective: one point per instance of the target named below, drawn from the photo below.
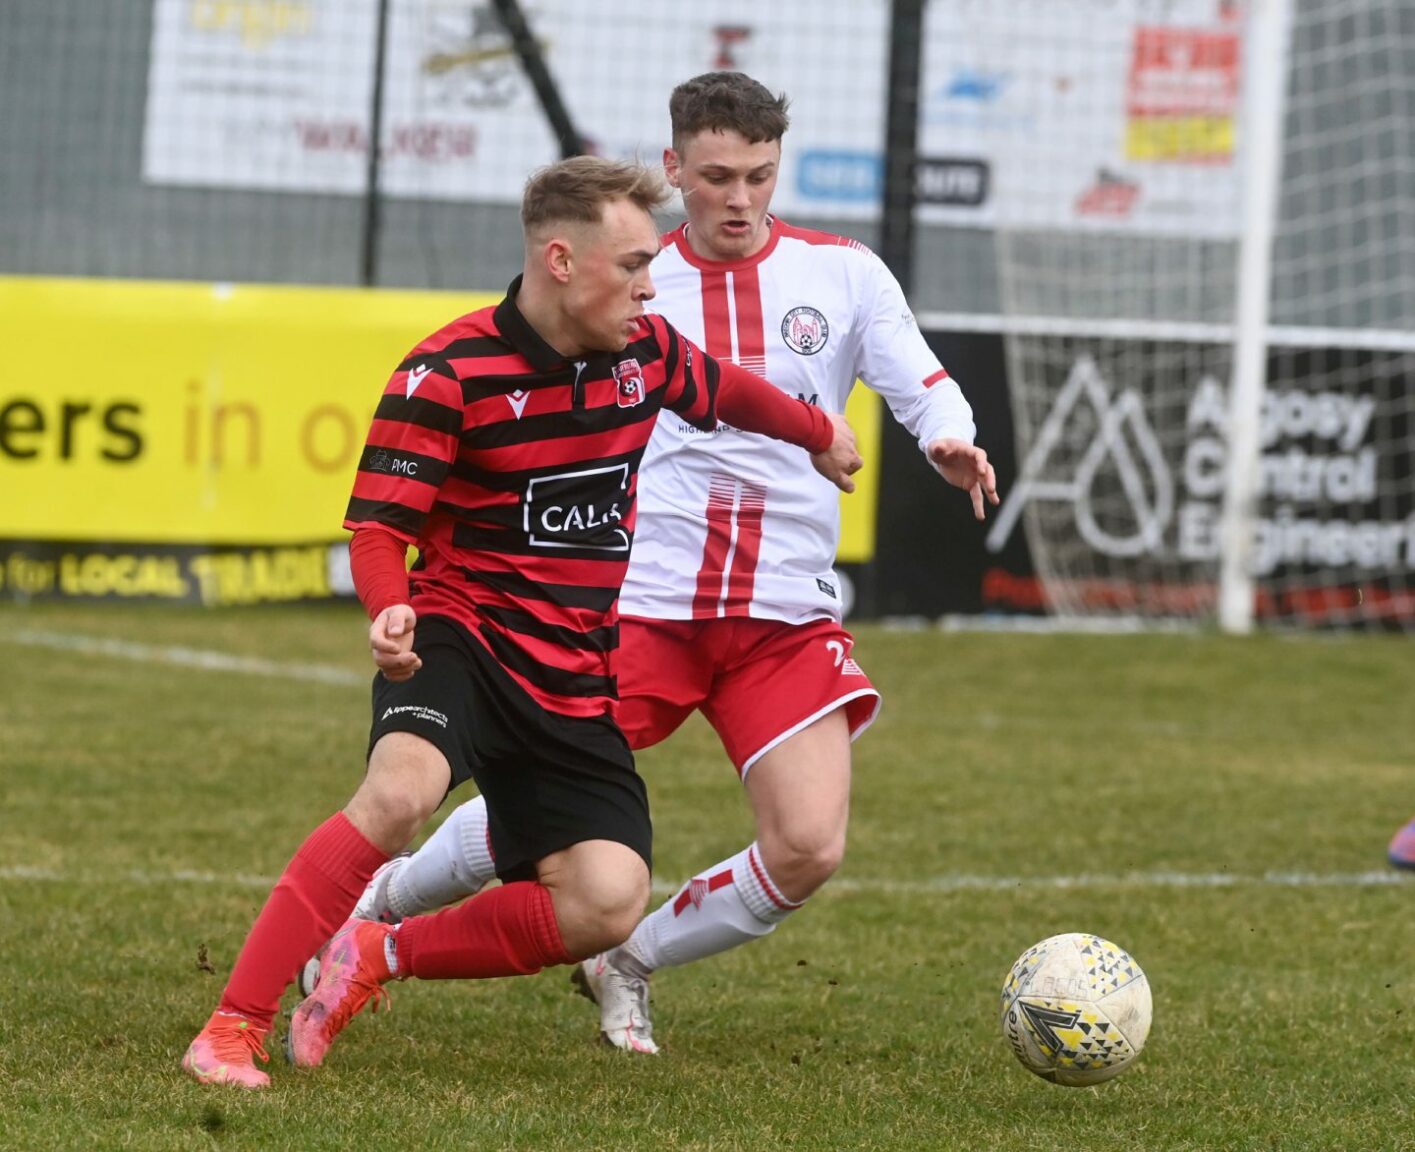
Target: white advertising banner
(249, 95)
(1114, 114)
(1109, 114)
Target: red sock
(313, 897)
(506, 931)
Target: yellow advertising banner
(210, 414)
(142, 421)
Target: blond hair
(576, 191)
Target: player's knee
(799, 862)
(387, 817)
(406, 781)
(818, 863)
(613, 927)
(597, 907)
(825, 861)
(612, 909)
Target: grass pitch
(1218, 807)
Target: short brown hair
(576, 190)
(727, 101)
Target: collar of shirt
(516, 330)
(703, 264)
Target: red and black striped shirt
(513, 471)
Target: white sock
(453, 864)
(725, 906)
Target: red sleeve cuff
(379, 563)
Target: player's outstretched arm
(748, 402)
(966, 466)
(842, 459)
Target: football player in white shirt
(753, 639)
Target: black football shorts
(550, 781)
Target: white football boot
(372, 905)
(623, 1004)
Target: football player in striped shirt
(731, 605)
(505, 448)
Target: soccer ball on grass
(1076, 1009)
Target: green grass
(144, 807)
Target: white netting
(1121, 309)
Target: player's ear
(672, 166)
(559, 258)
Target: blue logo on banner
(840, 174)
(978, 87)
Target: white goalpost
(1265, 64)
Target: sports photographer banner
(198, 442)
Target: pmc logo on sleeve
(583, 509)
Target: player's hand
(965, 466)
(390, 639)
(842, 459)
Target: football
(1076, 1009)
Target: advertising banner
(198, 442)
(189, 442)
(1130, 107)
(1114, 506)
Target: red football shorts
(758, 682)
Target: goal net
(1122, 270)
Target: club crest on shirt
(630, 380)
(805, 331)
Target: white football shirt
(733, 523)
